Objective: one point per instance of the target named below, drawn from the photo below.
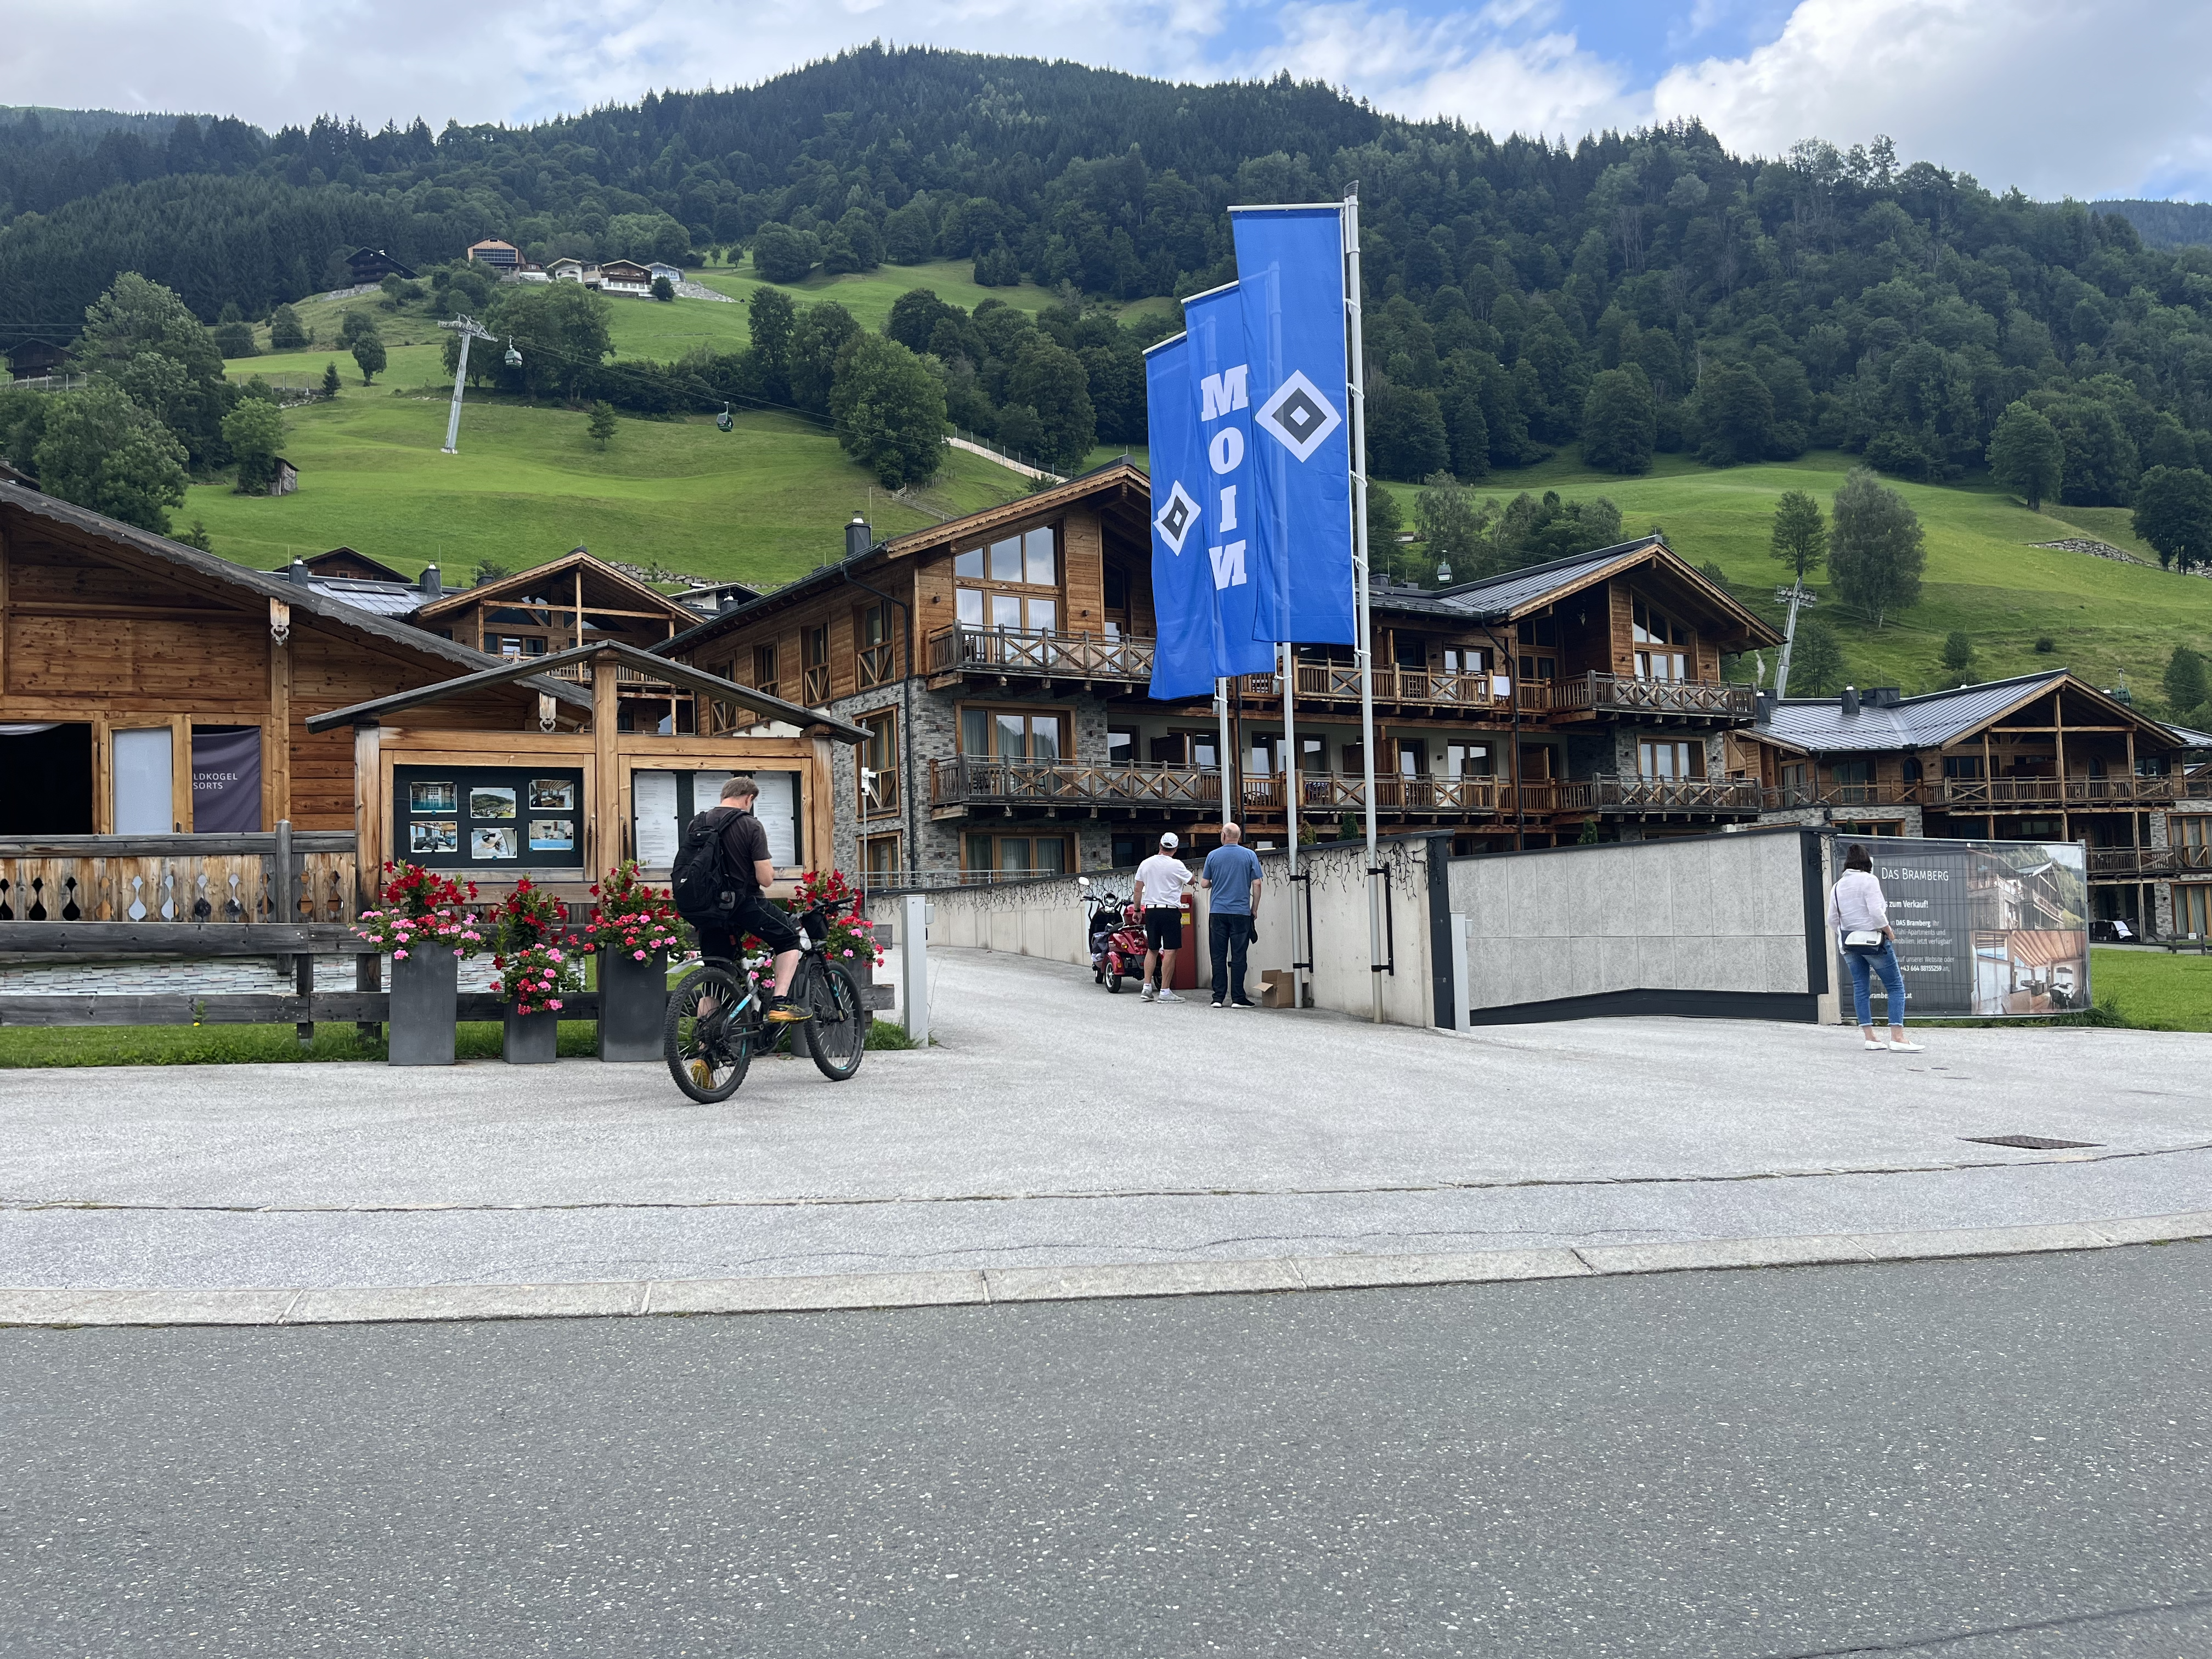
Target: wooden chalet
(2040, 757)
(501, 256)
(345, 563)
(374, 264)
(624, 276)
(1000, 664)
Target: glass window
(1044, 616)
(2192, 910)
(1169, 750)
(1012, 737)
(1051, 855)
(968, 564)
(880, 856)
(1014, 852)
(1409, 650)
(979, 852)
(970, 600)
(1010, 734)
(510, 646)
(974, 731)
(1260, 760)
(1670, 760)
(1006, 560)
(1206, 750)
(1120, 747)
(1467, 760)
(1037, 559)
(1044, 736)
(1412, 757)
(1007, 612)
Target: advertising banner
(227, 780)
(1183, 586)
(1985, 929)
(1289, 277)
(1222, 375)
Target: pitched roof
(1504, 597)
(379, 570)
(306, 599)
(1931, 720)
(598, 570)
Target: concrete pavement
(1060, 1127)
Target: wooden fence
(245, 880)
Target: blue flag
(1220, 371)
(1183, 586)
(1289, 265)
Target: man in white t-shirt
(1160, 881)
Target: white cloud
(2052, 95)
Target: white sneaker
(1907, 1048)
(1169, 996)
(1878, 1048)
(1146, 995)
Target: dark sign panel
(489, 820)
(226, 779)
(1984, 928)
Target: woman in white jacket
(1860, 915)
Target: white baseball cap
(1168, 840)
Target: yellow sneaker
(785, 1011)
(700, 1075)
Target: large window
(1469, 760)
(878, 768)
(2192, 909)
(1037, 855)
(1012, 734)
(1670, 761)
(764, 670)
(880, 859)
(1539, 638)
(1011, 586)
(1662, 643)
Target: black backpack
(707, 894)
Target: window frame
(1030, 839)
(887, 799)
(1684, 749)
(1024, 594)
(1064, 716)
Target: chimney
(858, 538)
(297, 573)
(431, 583)
(1885, 696)
(1762, 708)
(725, 600)
(1850, 699)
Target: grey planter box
(632, 1005)
(531, 1039)
(425, 990)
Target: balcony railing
(964, 649)
(1322, 793)
(980, 781)
(1977, 794)
(2136, 863)
(1616, 694)
(579, 673)
(1678, 795)
(876, 665)
(818, 685)
(1339, 682)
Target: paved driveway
(1057, 1124)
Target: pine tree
(1958, 657)
(330, 380)
(601, 426)
(1801, 539)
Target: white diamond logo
(1298, 417)
(1175, 516)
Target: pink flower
(640, 954)
(398, 955)
(556, 1003)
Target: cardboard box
(1275, 988)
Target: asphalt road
(1973, 1460)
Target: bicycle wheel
(707, 1053)
(837, 1035)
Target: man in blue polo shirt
(1232, 876)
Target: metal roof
(1928, 721)
(381, 599)
(1497, 595)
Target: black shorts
(1163, 930)
(771, 924)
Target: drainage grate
(2028, 1143)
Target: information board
(1985, 929)
(663, 803)
(489, 820)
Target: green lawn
(869, 295)
(762, 503)
(2154, 990)
(25, 1046)
(2103, 617)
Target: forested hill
(1634, 289)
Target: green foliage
(255, 432)
(559, 329)
(1385, 519)
(352, 326)
(1050, 378)
(1451, 526)
(235, 339)
(1816, 660)
(1621, 421)
(1801, 539)
(102, 451)
(1406, 434)
(1958, 657)
(330, 380)
(2027, 455)
(2173, 514)
(781, 254)
(601, 426)
(368, 355)
(818, 334)
(140, 334)
(1736, 412)
(197, 536)
(286, 332)
(663, 288)
(890, 410)
(2185, 684)
(1877, 551)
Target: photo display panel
(1985, 929)
(663, 803)
(489, 820)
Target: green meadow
(761, 503)
(2103, 618)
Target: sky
(2056, 97)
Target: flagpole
(1365, 646)
(1221, 710)
(1290, 801)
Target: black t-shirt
(745, 843)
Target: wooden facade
(106, 631)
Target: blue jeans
(1862, 972)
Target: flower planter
(425, 990)
(531, 1039)
(633, 1005)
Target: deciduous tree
(1800, 539)
(2173, 514)
(102, 451)
(1877, 549)
(368, 355)
(255, 432)
(2027, 455)
(890, 410)
(1621, 421)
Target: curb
(988, 1285)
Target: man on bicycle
(750, 872)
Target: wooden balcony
(635, 682)
(1326, 793)
(969, 783)
(1980, 794)
(1701, 796)
(2146, 863)
(1337, 684)
(1620, 695)
(964, 649)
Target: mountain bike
(717, 1019)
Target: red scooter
(1117, 938)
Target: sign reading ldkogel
(1984, 928)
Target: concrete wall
(1709, 915)
(1047, 918)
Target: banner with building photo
(1985, 929)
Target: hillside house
(344, 563)
(1000, 664)
(658, 270)
(500, 256)
(2039, 757)
(571, 271)
(625, 276)
(370, 265)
